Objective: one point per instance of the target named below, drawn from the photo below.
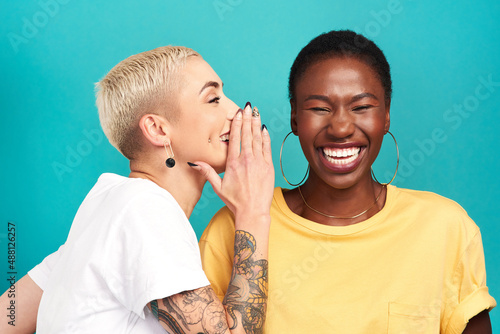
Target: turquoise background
(52, 52)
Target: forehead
(338, 75)
(195, 73)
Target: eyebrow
(354, 99)
(362, 96)
(214, 84)
(317, 97)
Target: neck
(358, 201)
(182, 182)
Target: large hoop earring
(170, 162)
(281, 165)
(397, 164)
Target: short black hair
(341, 43)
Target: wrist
(250, 220)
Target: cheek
(200, 127)
(308, 129)
(309, 126)
(193, 133)
(305, 134)
(373, 125)
(374, 129)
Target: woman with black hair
(347, 253)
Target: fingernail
(192, 164)
(238, 114)
(255, 112)
(264, 127)
(248, 104)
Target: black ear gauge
(170, 162)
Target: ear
(293, 116)
(387, 117)
(155, 129)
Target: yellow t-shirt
(417, 266)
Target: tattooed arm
(246, 297)
(195, 311)
(200, 311)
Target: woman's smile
(341, 159)
(225, 138)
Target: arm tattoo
(193, 307)
(154, 308)
(163, 316)
(246, 294)
(247, 290)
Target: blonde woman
(131, 262)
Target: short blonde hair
(141, 84)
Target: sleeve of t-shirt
(40, 273)
(217, 251)
(470, 294)
(154, 253)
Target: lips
(224, 137)
(341, 159)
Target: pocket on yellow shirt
(413, 319)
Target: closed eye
(319, 109)
(361, 108)
(215, 100)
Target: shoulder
(432, 208)
(134, 194)
(224, 216)
(220, 227)
(428, 200)
(134, 188)
(216, 245)
(139, 204)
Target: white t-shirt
(130, 243)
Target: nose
(232, 108)
(341, 124)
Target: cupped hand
(248, 183)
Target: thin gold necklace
(329, 216)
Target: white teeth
(341, 152)
(348, 155)
(224, 137)
(341, 161)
